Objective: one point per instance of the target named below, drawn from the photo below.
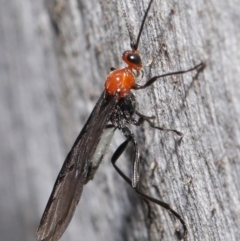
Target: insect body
(115, 109)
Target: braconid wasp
(115, 109)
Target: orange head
(132, 59)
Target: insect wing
(69, 184)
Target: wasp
(115, 109)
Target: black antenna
(134, 46)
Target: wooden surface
(54, 59)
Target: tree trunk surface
(55, 56)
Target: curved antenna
(134, 46)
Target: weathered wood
(54, 61)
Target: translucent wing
(68, 187)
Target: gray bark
(55, 57)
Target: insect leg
(130, 138)
(167, 207)
(133, 184)
(148, 119)
(115, 157)
(198, 67)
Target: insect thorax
(124, 111)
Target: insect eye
(134, 58)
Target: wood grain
(55, 56)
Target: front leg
(198, 67)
